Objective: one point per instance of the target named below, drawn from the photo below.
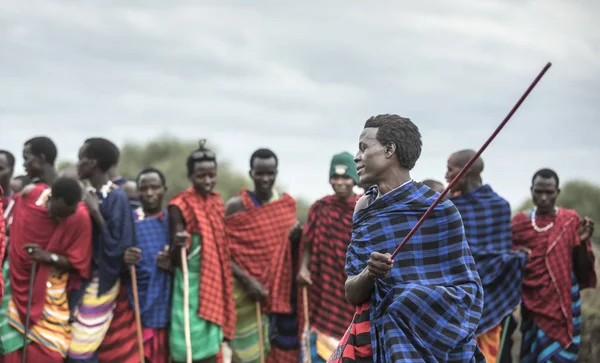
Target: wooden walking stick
(28, 312)
(186, 307)
(261, 344)
(306, 355)
(472, 160)
(136, 309)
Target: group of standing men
(447, 296)
(74, 237)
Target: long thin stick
(28, 313)
(136, 309)
(261, 344)
(186, 307)
(472, 160)
(306, 335)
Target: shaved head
(461, 158)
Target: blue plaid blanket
(487, 218)
(154, 283)
(429, 306)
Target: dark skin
(6, 173)
(343, 188)
(152, 192)
(88, 169)
(544, 193)
(377, 164)
(203, 178)
(37, 166)
(472, 178)
(263, 174)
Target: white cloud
(301, 78)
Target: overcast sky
(301, 78)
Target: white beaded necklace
(535, 227)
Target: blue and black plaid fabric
(154, 283)
(429, 306)
(487, 218)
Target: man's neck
(470, 184)
(98, 180)
(345, 197)
(264, 197)
(545, 212)
(49, 175)
(151, 213)
(392, 180)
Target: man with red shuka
(196, 220)
(2, 242)
(60, 246)
(325, 240)
(7, 166)
(560, 265)
(261, 225)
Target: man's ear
(390, 149)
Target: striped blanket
(428, 307)
(487, 218)
(52, 330)
(92, 319)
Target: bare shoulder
(234, 205)
(362, 203)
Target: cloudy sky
(302, 77)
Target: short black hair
(105, 152)
(152, 170)
(263, 154)
(199, 155)
(9, 157)
(42, 145)
(546, 174)
(68, 190)
(403, 133)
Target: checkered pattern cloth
(547, 286)
(328, 229)
(154, 284)
(429, 305)
(2, 242)
(259, 240)
(204, 215)
(486, 218)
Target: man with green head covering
(325, 240)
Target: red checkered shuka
(329, 229)
(548, 271)
(204, 216)
(259, 241)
